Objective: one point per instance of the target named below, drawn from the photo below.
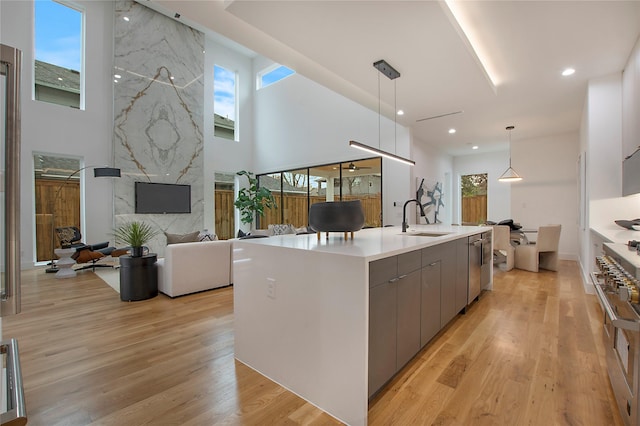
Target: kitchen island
(302, 306)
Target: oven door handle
(615, 320)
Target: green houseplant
(253, 200)
(136, 235)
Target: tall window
(272, 75)
(59, 51)
(224, 103)
(474, 199)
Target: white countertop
(370, 244)
(615, 233)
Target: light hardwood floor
(528, 353)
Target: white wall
(224, 155)
(631, 102)
(49, 128)
(604, 140)
(300, 123)
(431, 163)
(601, 144)
(548, 193)
(498, 193)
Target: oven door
(621, 340)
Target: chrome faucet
(404, 213)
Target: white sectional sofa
(192, 267)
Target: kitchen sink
(425, 234)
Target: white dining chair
(503, 250)
(543, 254)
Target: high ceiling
(524, 45)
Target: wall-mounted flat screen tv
(162, 198)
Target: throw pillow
(282, 229)
(263, 232)
(207, 236)
(191, 237)
(302, 230)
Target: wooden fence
(225, 223)
(66, 212)
(474, 209)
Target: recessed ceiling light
(452, 131)
(117, 76)
(568, 72)
(60, 78)
(115, 81)
(400, 112)
(171, 77)
(474, 147)
(126, 18)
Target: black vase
(338, 216)
(136, 251)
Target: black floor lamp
(98, 171)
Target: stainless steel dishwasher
(475, 263)
(486, 262)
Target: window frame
(271, 68)
(339, 196)
(82, 77)
(236, 107)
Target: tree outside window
(474, 198)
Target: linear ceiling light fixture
(392, 74)
(510, 175)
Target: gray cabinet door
(462, 273)
(383, 270)
(409, 262)
(430, 302)
(408, 326)
(448, 283)
(382, 334)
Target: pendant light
(510, 175)
(392, 74)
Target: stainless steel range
(618, 288)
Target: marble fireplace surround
(158, 114)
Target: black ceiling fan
(352, 167)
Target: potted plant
(253, 200)
(136, 235)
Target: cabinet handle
(393, 280)
(402, 276)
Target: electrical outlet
(271, 288)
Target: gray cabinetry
(430, 302)
(382, 334)
(394, 315)
(462, 273)
(448, 282)
(412, 296)
(408, 343)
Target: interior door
(12, 406)
(10, 62)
